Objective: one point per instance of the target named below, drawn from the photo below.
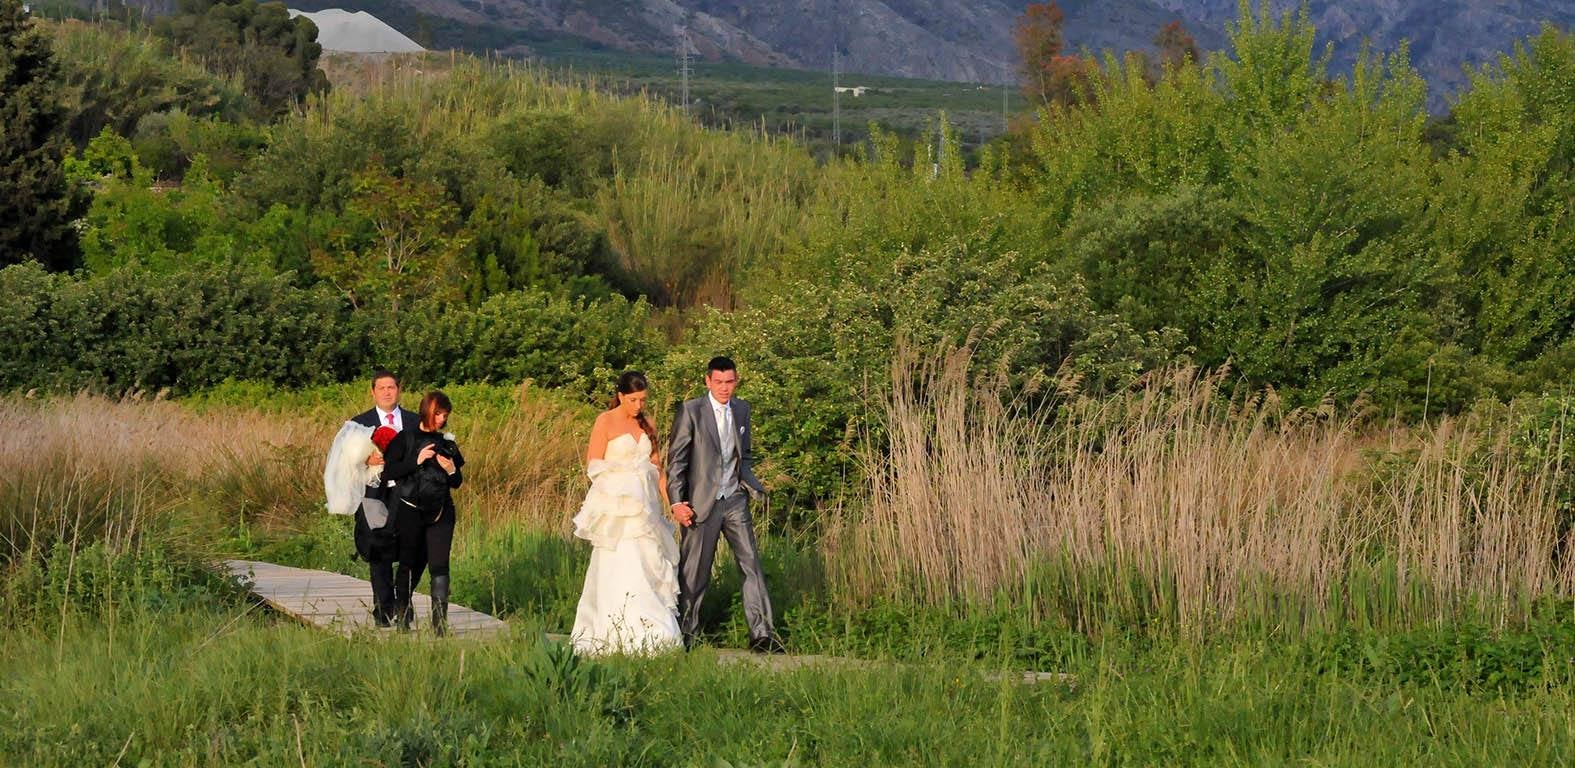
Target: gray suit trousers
(697, 551)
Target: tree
(36, 203)
(1176, 47)
(273, 54)
(411, 249)
(1046, 76)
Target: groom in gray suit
(710, 476)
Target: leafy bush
(1460, 657)
(115, 78)
(132, 328)
(816, 356)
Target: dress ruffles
(631, 588)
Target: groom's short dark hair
(720, 363)
(384, 373)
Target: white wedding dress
(630, 600)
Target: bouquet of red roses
(382, 436)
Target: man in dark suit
(380, 548)
(710, 475)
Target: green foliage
(408, 250)
(135, 328)
(1305, 231)
(1144, 256)
(169, 142)
(816, 356)
(95, 579)
(114, 79)
(554, 183)
(1463, 657)
(1504, 228)
(133, 223)
(865, 213)
(36, 205)
(1270, 75)
(574, 343)
(1329, 284)
(557, 341)
(273, 55)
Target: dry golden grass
(1169, 501)
(88, 468)
(1220, 510)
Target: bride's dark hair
(629, 383)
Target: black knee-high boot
(404, 598)
(440, 605)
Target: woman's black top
(400, 466)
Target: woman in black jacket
(424, 464)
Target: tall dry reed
(1194, 508)
(88, 469)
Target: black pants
(423, 545)
(383, 586)
(379, 549)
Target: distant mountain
(948, 39)
(1444, 35)
(933, 39)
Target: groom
(709, 472)
(379, 551)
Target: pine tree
(36, 203)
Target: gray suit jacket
(694, 455)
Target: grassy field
(784, 102)
(121, 647)
(224, 684)
(799, 102)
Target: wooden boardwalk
(343, 604)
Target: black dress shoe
(380, 618)
(768, 644)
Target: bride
(629, 604)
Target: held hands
(375, 460)
(684, 514)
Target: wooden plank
(341, 603)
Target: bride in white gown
(629, 604)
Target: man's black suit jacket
(370, 418)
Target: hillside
(948, 41)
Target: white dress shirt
(398, 422)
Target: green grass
(799, 102)
(228, 684)
(121, 648)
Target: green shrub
(816, 356)
(115, 78)
(135, 329)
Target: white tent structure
(358, 32)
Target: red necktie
(390, 419)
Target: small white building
(856, 90)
